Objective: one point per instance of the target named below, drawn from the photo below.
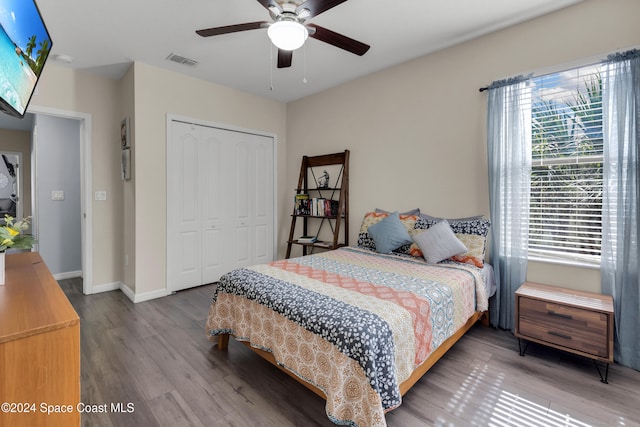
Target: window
(566, 177)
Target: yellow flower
(13, 232)
(7, 242)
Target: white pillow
(439, 243)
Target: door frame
(199, 122)
(86, 186)
(20, 186)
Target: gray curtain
(620, 222)
(509, 152)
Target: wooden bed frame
(223, 344)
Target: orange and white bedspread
(352, 322)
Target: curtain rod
(585, 62)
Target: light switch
(57, 195)
(101, 195)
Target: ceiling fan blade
(338, 40)
(284, 58)
(316, 7)
(216, 31)
(269, 3)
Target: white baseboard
(146, 296)
(68, 275)
(128, 292)
(135, 298)
(106, 287)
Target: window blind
(566, 178)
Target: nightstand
(574, 321)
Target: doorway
(11, 198)
(29, 179)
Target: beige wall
(19, 141)
(73, 91)
(131, 223)
(127, 108)
(417, 131)
(158, 93)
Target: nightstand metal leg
(522, 350)
(603, 379)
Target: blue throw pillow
(389, 234)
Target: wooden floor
(155, 356)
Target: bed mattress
(351, 322)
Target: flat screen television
(24, 48)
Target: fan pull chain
(304, 59)
(271, 67)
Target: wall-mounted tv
(24, 48)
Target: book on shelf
(324, 244)
(301, 205)
(318, 206)
(307, 239)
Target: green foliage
(12, 234)
(566, 192)
(31, 44)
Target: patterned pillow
(415, 211)
(437, 218)
(472, 232)
(365, 241)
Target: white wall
(57, 168)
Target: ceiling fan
(288, 31)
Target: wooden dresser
(39, 347)
(575, 321)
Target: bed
(356, 326)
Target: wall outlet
(57, 195)
(100, 195)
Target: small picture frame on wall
(125, 138)
(126, 164)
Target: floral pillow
(472, 232)
(365, 241)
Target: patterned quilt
(352, 322)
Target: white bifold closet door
(220, 202)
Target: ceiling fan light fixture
(287, 35)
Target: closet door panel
(263, 199)
(184, 212)
(242, 180)
(262, 246)
(243, 240)
(190, 256)
(213, 152)
(220, 206)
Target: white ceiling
(104, 37)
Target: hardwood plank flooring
(155, 355)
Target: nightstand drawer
(567, 326)
(563, 316)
